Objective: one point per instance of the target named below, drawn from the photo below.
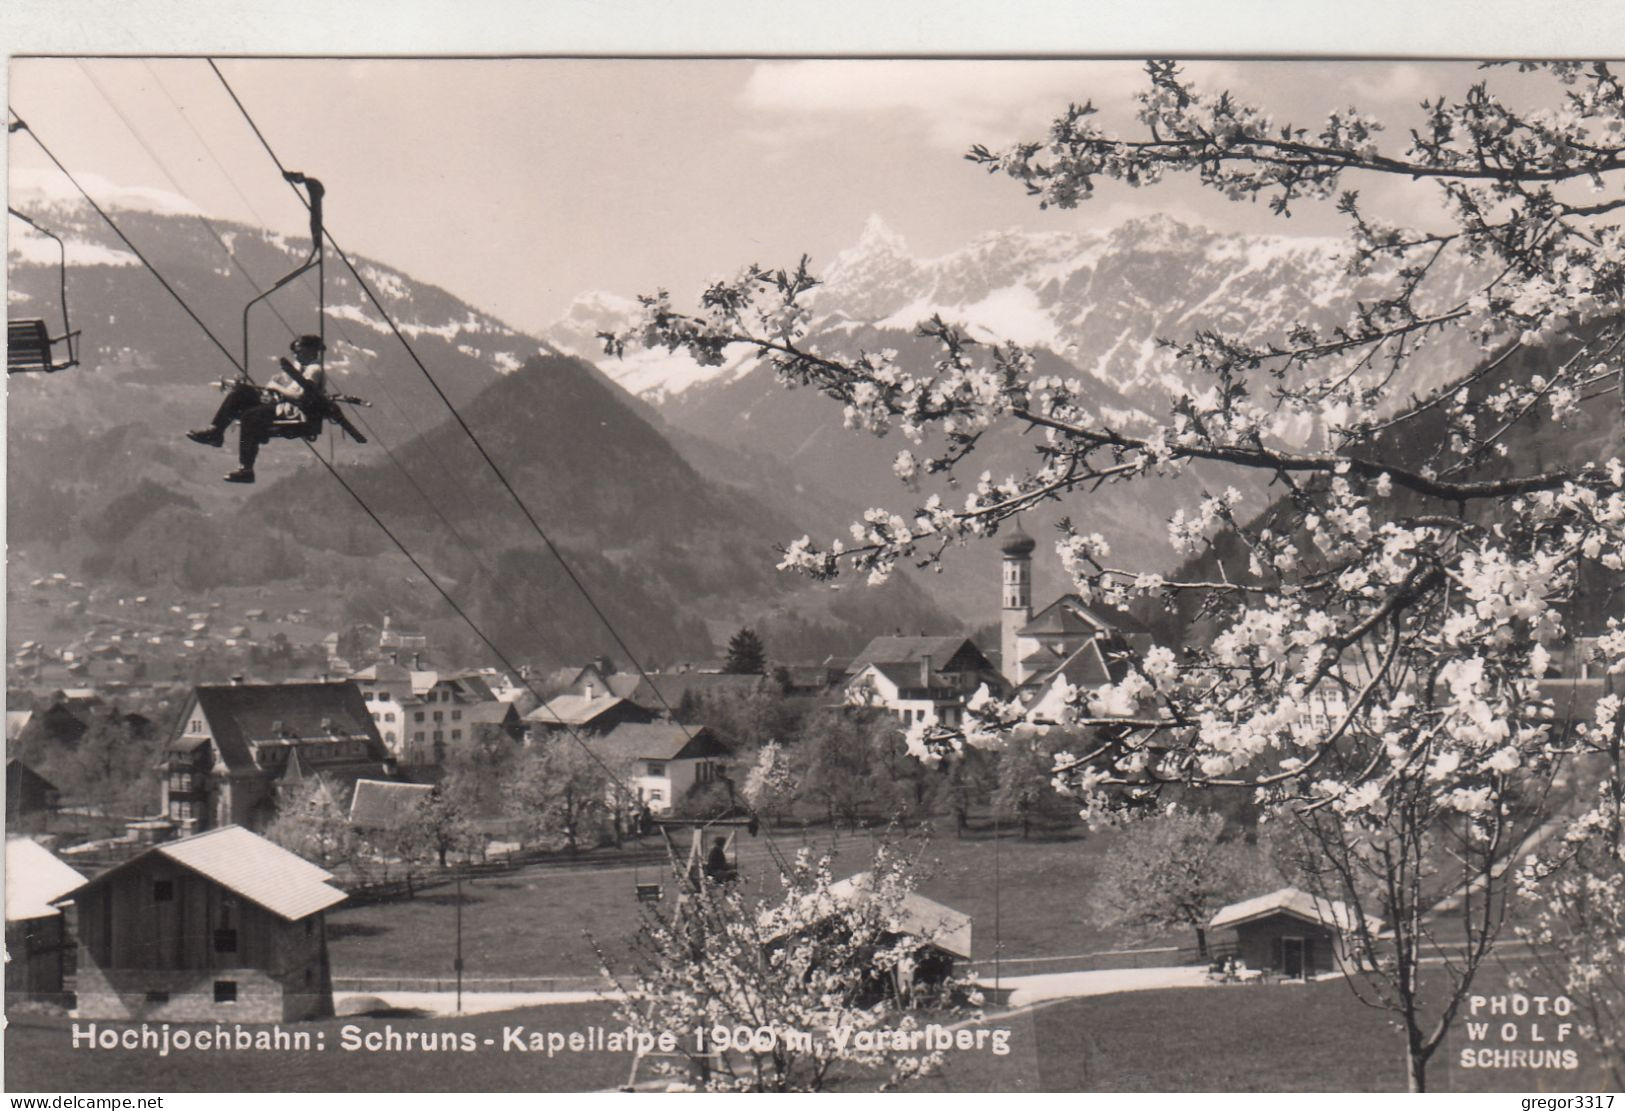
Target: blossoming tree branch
(1372, 666)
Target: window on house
(656, 768)
(196, 726)
(656, 795)
(163, 891)
(389, 717)
(439, 735)
(418, 736)
(418, 717)
(439, 716)
(456, 715)
(456, 734)
(157, 997)
(225, 991)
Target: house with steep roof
(664, 760)
(1290, 933)
(237, 745)
(37, 944)
(385, 804)
(920, 679)
(597, 713)
(219, 926)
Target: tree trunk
(1416, 1059)
(1201, 943)
(1416, 1071)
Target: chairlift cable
(129, 125)
(458, 417)
(343, 332)
(259, 290)
(181, 301)
(473, 438)
(332, 470)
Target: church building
(1066, 641)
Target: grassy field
(532, 922)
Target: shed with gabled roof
(223, 925)
(1291, 933)
(36, 938)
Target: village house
(437, 710)
(37, 943)
(237, 745)
(1289, 933)
(920, 679)
(665, 760)
(386, 688)
(220, 926)
(381, 804)
(594, 712)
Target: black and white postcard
(569, 572)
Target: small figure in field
(717, 868)
(290, 406)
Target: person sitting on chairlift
(286, 407)
(717, 868)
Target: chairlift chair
(30, 347)
(329, 402)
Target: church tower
(1017, 604)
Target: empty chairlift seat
(29, 348)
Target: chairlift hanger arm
(46, 341)
(313, 260)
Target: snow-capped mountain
(1100, 300)
(1094, 304)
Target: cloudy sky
(518, 184)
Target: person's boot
(241, 474)
(209, 437)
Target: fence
(364, 888)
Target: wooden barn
(37, 945)
(1288, 933)
(223, 925)
(945, 933)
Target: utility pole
(458, 964)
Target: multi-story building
(237, 744)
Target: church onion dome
(1019, 543)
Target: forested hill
(102, 483)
